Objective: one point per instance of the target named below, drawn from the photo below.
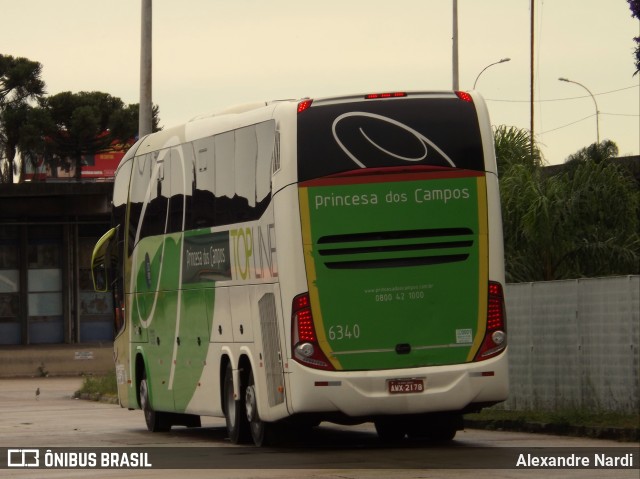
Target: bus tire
(262, 433)
(156, 421)
(234, 411)
(256, 426)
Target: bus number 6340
(346, 331)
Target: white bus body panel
(365, 393)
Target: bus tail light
(304, 105)
(463, 95)
(306, 349)
(495, 336)
(378, 96)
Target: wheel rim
(144, 401)
(143, 394)
(256, 426)
(250, 403)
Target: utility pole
(145, 113)
(533, 3)
(456, 82)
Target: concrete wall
(574, 344)
(55, 360)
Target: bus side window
(140, 182)
(246, 156)
(232, 180)
(204, 206)
(179, 181)
(155, 197)
(120, 197)
(224, 177)
(265, 133)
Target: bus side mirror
(101, 262)
(100, 278)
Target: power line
(568, 124)
(586, 118)
(563, 99)
(619, 114)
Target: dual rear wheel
(241, 413)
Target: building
(47, 234)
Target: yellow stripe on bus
(483, 266)
(309, 262)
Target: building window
(44, 281)
(10, 330)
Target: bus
(284, 263)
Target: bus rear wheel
(262, 433)
(256, 426)
(156, 421)
(234, 411)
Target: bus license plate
(405, 386)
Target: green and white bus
(292, 262)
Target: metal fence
(574, 345)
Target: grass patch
(572, 418)
(95, 387)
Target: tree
(125, 121)
(86, 123)
(529, 224)
(634, 5)
(32, 141)
(81, 122)
(68, 126)
(580, 222)
(514, 146)
(20, 83)
(597, 152)
(601, 206)
(24, 126)
(65, 126)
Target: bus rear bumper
(367, 393)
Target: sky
(210, 54)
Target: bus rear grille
(395, 249)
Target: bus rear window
(339, 137)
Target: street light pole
(454, 53)
(145, 109)
(594, 102)
(490, 65)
